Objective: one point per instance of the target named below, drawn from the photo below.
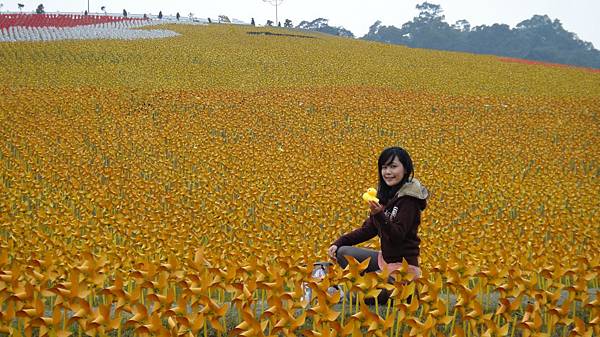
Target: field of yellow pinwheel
(185, 186)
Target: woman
(395, 219)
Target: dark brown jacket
(397, 226)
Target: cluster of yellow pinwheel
(187, 185)
(233, 58)
(261, 299)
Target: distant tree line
(322, 25)
(539, 38)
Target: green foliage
(539, 38)
(322, 25)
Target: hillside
(176, 185)
(539, 38)
(226, 56)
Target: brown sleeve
(366, 232)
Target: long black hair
(384, 192)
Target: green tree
(538, 38)
(429, 13)
(322, 25)
(387, 34)
(490, 39)
(462, 25)
(429, 30)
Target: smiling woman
(395, 219)
(392, 171)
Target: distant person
(252, 22)
(395, 219)
(177, 16)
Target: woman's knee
(343, 250)
(341, 254)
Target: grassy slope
(225, 56)
(465, 117)
(449, 112)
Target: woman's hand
(375, 207)
(331, 252)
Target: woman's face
(392, 172)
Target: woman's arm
(366, 232)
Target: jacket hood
(415, 189)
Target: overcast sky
(577, 16)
